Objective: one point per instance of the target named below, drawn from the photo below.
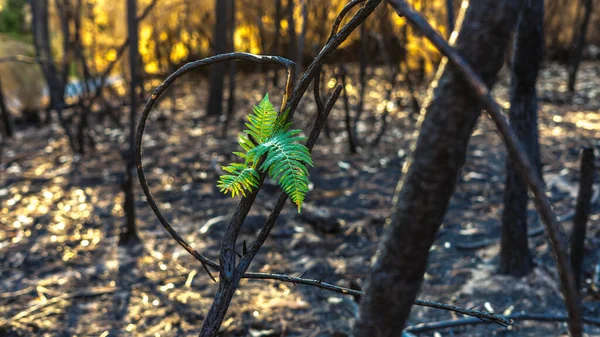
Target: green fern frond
(262, 121)
(286, 159)
(286, 162)
(241, 179)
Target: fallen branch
(515, 149)
(426, 327)
(493, 318)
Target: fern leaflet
(262, 122)
(286, 160)
(241, 179)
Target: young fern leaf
(262, 122)
(241, 179)
(268, 135)
(286, 162)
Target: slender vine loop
(263, 59)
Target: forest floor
(63, 274)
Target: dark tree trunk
(578, 45)
(55, 81)
(416, 107)
(431, 172)
(352, 145)
(393, 72)
(293, 38)
(275, 47)
(217, 71)
(232, 71)
(362, 77)
(302, 39)
(129, 234)
(83, 128)
(515, 257)
(582, 211)
(450, 15)
(6, 120)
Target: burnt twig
(426, 327)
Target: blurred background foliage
(177, 31)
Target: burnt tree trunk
(232, 71)
(362, 77)
(55, 80)
(275, 46)
(450, 15)
(302, 38)
(352, 143)
(515, 257)
(217, 71)
(129, 234)
(430, 174)
(578, 45)
(582, 211)
(6, 121)
(293, 37)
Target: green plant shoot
(285, 158)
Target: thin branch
(478, 314)
(516, 150)
(426, 327)
(341, 15)
(317, 93)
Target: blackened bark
(293, 37)
(302, 38)
(275, 46)
(450, 15)
(129, 234)
(232, 71)
(416, 107)
(55, 80)
(352, 143)
(6, 120)
(578, 45)
(362, 77)
(431, 172)
(582, 211)
(515, 257)
(217, 72)
(83, 128)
